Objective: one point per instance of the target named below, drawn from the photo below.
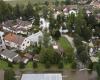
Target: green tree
(46, 39)
(35, 65)
(98, 69)
(17, 11)
(28, 12)
(61, 64)
(9, 75)
(21, 65)
(82, 54)
(74, 65)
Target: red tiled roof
(11, 37)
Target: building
(35, 38)
(16, 41)
(53, 76)
(44, 24)
(9, 55)
(17, 26)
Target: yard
(65, 45)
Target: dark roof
(17, 59)
(29, 56)
(9, 23)
(1, 75)
(9, 53)
(23, 23)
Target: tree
(82, 54)
(17, 11)
(46, 54)
(77, 40)
(47, 64)
(28, 12)
(61, 64)
(45, 12)
(86, 33)
(67, 2)
(9, 75)
(74, 65)
(35, 65)
(10, 64)
(46, 39)
(90, 66)
(37, 19)
(98, 69)
(21, 65)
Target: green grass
(3, 64)
(64, 43)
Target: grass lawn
(64, 43)
(3, 64)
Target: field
(13, 2)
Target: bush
(74, 65)
(35, 65)
(21, 65)
(47, 64)
(61, 64)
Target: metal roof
(41, 77)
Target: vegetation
(9, 75)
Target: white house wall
(25, 44)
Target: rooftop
(41, 77)
(11, 37)
(9, 53)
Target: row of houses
(17, 42)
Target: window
(23, 44)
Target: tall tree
(17, 11)
(9, 75)
(28, 12)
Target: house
(24, 60)
(95, 4)
(2, 74)
(44, 24)
(16, 41)
(8, 54)
(88, 12)
(17, 26)
(35, 38)
(2, 44)
(22, 26)
(29, 56)
(48, 76)
(63, 30)
(73, 12)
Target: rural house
(16, 41)
(35, 38)
(8, 54)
